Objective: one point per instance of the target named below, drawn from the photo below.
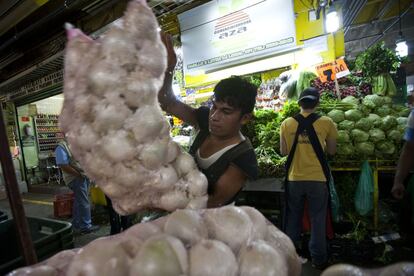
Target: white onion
(197, 183)
(259, 231)
(184, 164)
(174, 199)
(41, 270)
(230, 225)
(160, 255)
(212, 257)
(186, 225)
(344, 270)
(258, 258)
(282, 243)
(101, 257)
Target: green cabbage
(394, 134)
(365, 148)
(376, 120)
(388, 122)
(404, 113)
(346, 149)
(401, 128)
(383, 111)
(343, 136)
(387, 100)
(350, 100)
(364, 109)
(385, 147)
(336, 115)
(402, 121)
(364, 124)
(359, 135)
(372, 101)
(376, 135)
(346, 125)
(353, 115)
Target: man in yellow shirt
(306, 138)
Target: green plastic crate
(49, 237)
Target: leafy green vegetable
(350, 100)
(383, 111)
(402, 121)
(343, 136)
(345, 148)
(385, 147)
(365, 148)
(346, 125)
(372, 101)
(353, 115)
(375, 119)
(388, 122)
(364, 124)
(337, 115)
(376, 60)
(359, 135)
(395, 135)
(376, 135)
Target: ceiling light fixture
(402, 48)
(332, 19)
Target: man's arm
(226, 187)
(283, 145)
(331, 146)
(405, 164)
(70, 170)
(169, 103)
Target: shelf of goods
(376, 166)
(48, 132)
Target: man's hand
(398, 190)
(172, 57)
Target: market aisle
(41, 205)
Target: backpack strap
(303, 124)
(217, 169)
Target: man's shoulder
(326, 119)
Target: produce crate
(63, 205)
(267, 196)
(98, 197)
(49, 237)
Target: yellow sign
(331, 70)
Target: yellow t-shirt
(305, 165)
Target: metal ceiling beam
(354, 15)
(384, 9)
(391, 25)
(17, 14)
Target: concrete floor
(41, 205)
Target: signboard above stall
(222, 33)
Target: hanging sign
(332, 70)
(222, 33)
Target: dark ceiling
(31, 30)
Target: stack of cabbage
(374, 128)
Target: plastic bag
(364, 191)
(335, 204)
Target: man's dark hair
(308, 104)
(236, 92)
(309, 98)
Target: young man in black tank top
(219, 130)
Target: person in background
(308, 172)
(223, 154)
(404, 166)
(118, 223)
(78, 182)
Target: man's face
(225, 120)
